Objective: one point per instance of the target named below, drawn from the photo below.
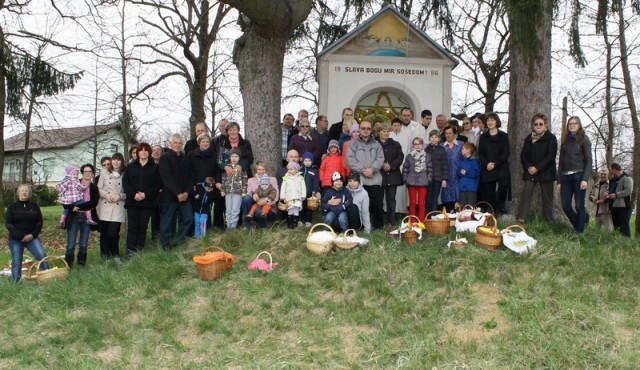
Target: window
(114, 148)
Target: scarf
(420, 158)
(536, 136)
(234, 143)
(86, 195)
(572, 136)
(306, 137)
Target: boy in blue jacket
(468, 175)
(335, 202)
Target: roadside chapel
(383, 65)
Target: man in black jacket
(177, 189)
(336, 129)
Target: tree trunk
(259, 55)
(198, 90)
(3, 107)
(27, 135)
(259, 58)
(530, 90)
(628, 87)
(607, 100)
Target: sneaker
(307, 224)
(91, 222)
(300, 224)
(249, 215)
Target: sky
(166, 109)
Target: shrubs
(42, 194)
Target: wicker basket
(491, 240)
(313, 203)
(437, 226)
(215, 269)
(410, 236)
(458, 243)
(58, 269)
(320, 247)
(282, 206)
(344, 244)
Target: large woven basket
(58, 269)
(320, 247)
(437, 226)
(215, 269)
(489, 239)
(313, 203)
(344, 243)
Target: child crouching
(335, 202)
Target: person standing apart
(111, 207)
(538, 159)
(601, 202)
(573, 173)
(23, 221)
(619, 195)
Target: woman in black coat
(493, 154)
(141, 183)
(391, 170)
(203, 165)
(538, 158)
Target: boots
(68, 257)
(296, 221)
(82, 258)
(290, 222)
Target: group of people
(363, 173)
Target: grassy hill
(571, 303)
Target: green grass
(571, 303)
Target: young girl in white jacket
(293, 192)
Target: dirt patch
(352, 349)
(488, 320)
(331, 295)
(110, 354)
(625, 333)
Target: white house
(50, 151)
(383, 65)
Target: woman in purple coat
(453, 148)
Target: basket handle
(48, 259)
(321, 224)
(510, 228)
(490, 217)
(409, 217)
(468, 207)
(347, 232)
(215, 248)
(270, 258)
(490, 207)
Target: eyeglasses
(105, 165)
(304, 126)
(365, 128)
(539, 124)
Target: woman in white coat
(111, 207)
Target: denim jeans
(168, 220)
(17, 251)
(77, 225)
(433, 191)
(342, 219)
(247, 202)
(233, 204)
(570, 191)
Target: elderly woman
(391, 170)
(249, 200)
(23, 220)
(76, 221)
(453, 149)
(203, 165)
(234, 141)
(493, 153)
(141, 184)
(304, 142)
(538, 158)
(111, 207)
(574, 170)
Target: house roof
(366, 24)
(55, 138)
